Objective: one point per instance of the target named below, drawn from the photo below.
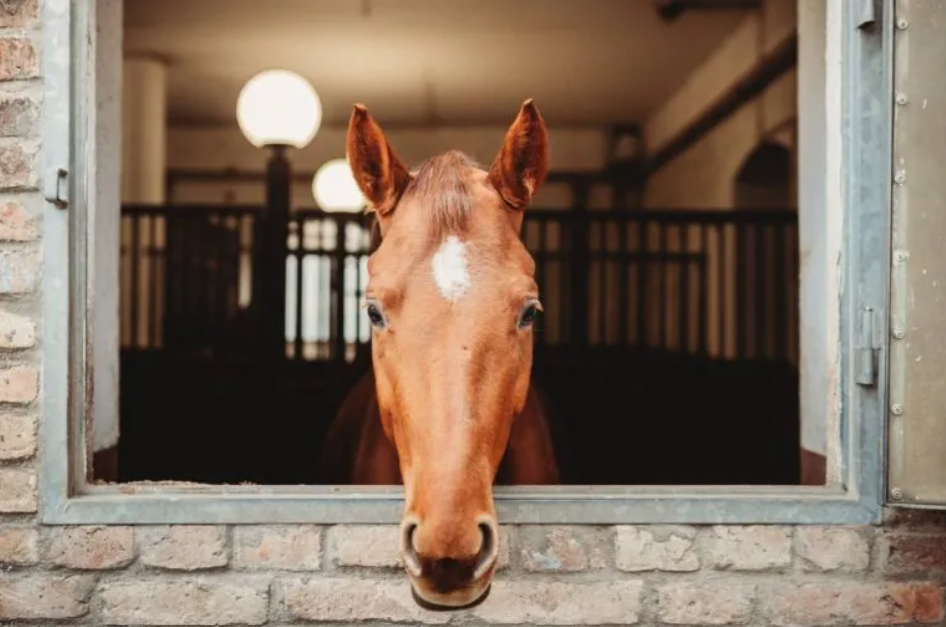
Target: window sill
(606, 505)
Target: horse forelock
(442, 186)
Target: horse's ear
(523, 161)
(379, 172)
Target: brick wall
(200, 575)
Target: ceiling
(429, 62)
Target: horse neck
(530, 455)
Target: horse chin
(464, 598)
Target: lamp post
(276, 110)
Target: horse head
(451, 297)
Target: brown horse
(447, 408)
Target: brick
(19, 271)
(372, 546)
(24, 17)
(914, 520)
(855, 603)
(19, 114)
(832, 549)
(670, 549)
(913, 553)
(18, 59)
(19, 546)
(352, 599)
(19, 384)
(44, 597)
(563, 549)
(92, 548)
(18, 167)
(750, 548)
(280, 547)
(190, 547)
(16, 223)
(705, 603)
(192, 601)
(17, 437)
(17, 491)
(557, 603)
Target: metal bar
(722, 293)
(602, 283)
(759, 269)
(135, 252)
(214, 281)
(622, 304)
(643, 270)
(662, 268)
(683, 337)
(204, 286)
(702, 318)
(225, 255)
(298, 344)
(740, 269)
(171, 277)
(664, 214)
(153, 283)
(338, 295)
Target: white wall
(801, 111)
(702, 177)
(215, 149)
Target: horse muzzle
(462, 599)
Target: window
(841, 133)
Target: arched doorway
(765, 179)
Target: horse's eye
(527, 317)
(374, 314)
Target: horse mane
(441, 184)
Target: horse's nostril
(408, 552)
(489, 549)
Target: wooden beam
(766, 72)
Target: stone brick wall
(254, 575)
(20, 207)
(651, 575)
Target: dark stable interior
(624, 409)
(620, 416)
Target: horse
(447, 407)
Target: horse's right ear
(379, 172)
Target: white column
(144, 129)
(144, 167)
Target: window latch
(56, 187)
(866, 347)
(866, 13)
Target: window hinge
(866, 13)
(56, 187)
(866, 347)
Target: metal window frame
(67, 499)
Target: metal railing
(716, 283)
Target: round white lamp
(335, 190)
(279, 108)
(276, 110)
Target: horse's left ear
(523, 161)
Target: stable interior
(666, 238)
